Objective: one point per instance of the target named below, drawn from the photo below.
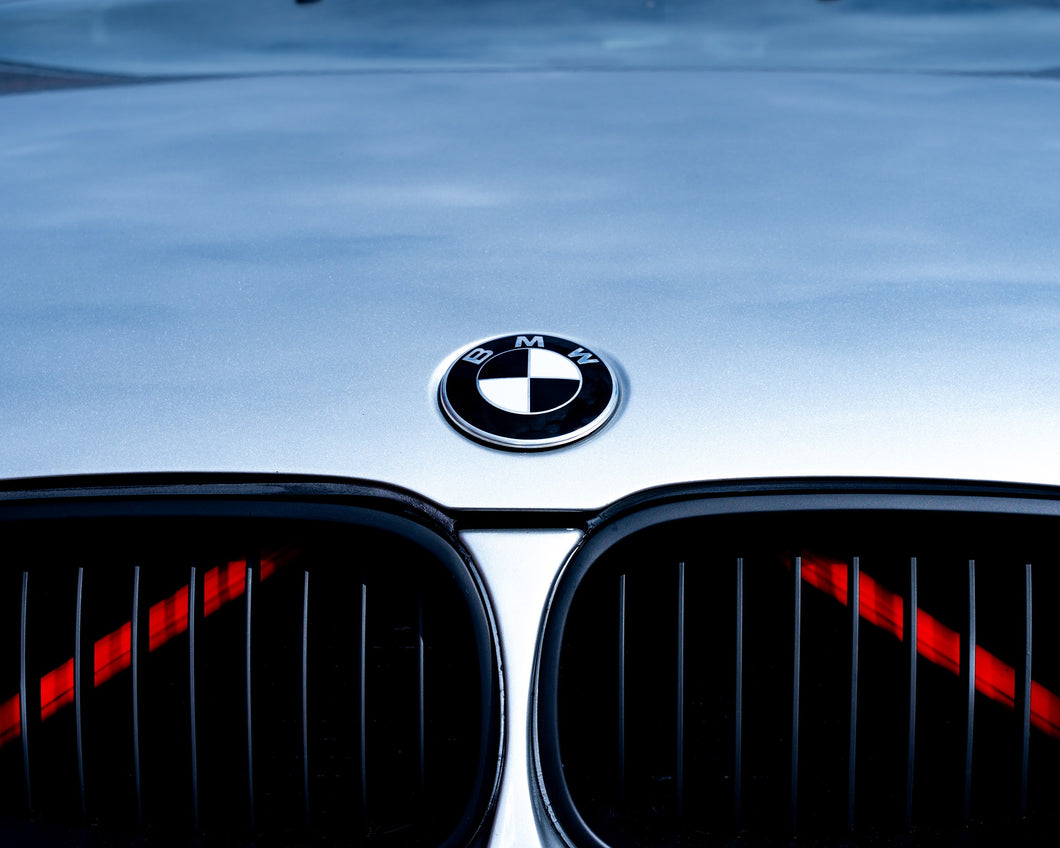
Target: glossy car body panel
(796, 274)
(520, 568)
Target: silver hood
(796, 273)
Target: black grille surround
(237, 661)
(702, 676)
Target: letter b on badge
(478, 356)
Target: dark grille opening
(334, 682)
(696, 685)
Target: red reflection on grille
(112, 653)
(221, 585)
(935, 641)
(57, 689)
(10, 721)
(165, 620)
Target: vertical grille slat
(193, 731)
(362, 705)
(909, 621)
(305, 699)
(968, 678)
(1023, 691)
(248, 631)
(23, 702)
(679, 776)
(796, 680)
(738, 700)
(421, 697)
(188, 701)
(134, 663)
(622, 688)
(854, 604)
(907, 654)
(79, 730)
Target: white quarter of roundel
(513, 393)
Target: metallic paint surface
(519, 569)
(796, 274)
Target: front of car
(527, 424)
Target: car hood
(793, 274)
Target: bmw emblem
(528, 392)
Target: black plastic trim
(820, 487)
(160, 494)
(323, 489)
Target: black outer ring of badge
(472, 414)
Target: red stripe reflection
(113, 653)
(57, 689)
(221, 585)
(936, 642)
(10, 721)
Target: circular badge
(529, 391)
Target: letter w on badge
(583, 356)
